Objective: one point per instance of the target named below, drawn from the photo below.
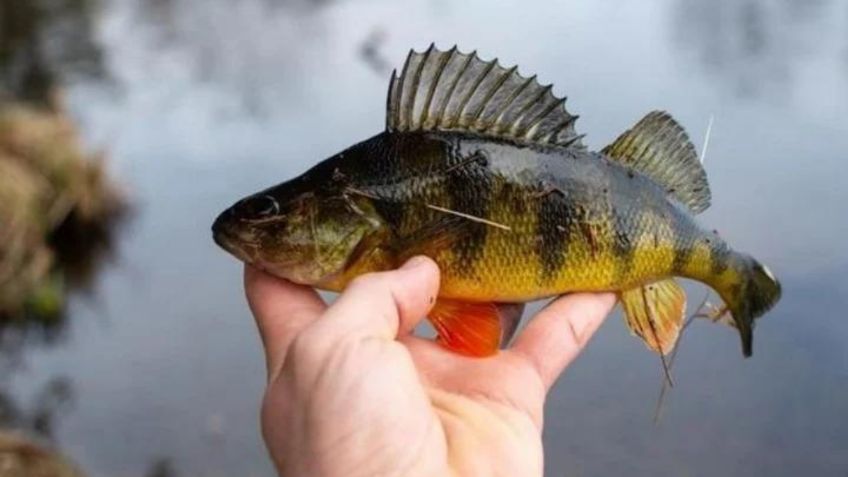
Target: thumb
(385, 304)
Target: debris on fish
(482, 170)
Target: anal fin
(655, 312)
(474, 329)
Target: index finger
(281, 309)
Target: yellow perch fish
(481, 169)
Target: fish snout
(229, 233)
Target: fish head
(306, 234)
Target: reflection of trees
(43, 42)
(161, 468)
(252, 49)
(39, 416)
(369, 52)
(52, 235)
(750, 44)
(57, 211)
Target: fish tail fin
(752, 293)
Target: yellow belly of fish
(510, 270)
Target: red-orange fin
(469, 328)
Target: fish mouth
(229, 240)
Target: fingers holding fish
(557, 334)
(384, 304)
(282, 310)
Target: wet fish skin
(481, 169)
(575, 220)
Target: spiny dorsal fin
(452, 91)
(658, 147)
(654, 312)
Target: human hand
(351, 391)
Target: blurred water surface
(201, 102)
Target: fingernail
(414, 262)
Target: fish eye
(262, 206)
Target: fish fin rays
(452, 91)
(658, 147)
(510, 317)
(655, 312)
(472, 328)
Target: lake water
(203, 102)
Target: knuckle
(303, 347)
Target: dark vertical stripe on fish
(719, 256)
(391, 211)
(554, 224)
(469, 189)
(682, 251)
(623, 229)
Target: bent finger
(557, 334)
(385, 304)
(282, 310)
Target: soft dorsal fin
(452, 91)
(658, 147)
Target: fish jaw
(244, 247)
(232, 240)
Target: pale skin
(352, 392)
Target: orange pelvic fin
(474, 329)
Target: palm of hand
(352, 392)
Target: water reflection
(759, 47)
(162, 468)
(27, 424)
(370, 50)
(38, 416)
(58, 217)
(43, 43)
(251, 49)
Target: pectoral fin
(655, 313)
(474, 329)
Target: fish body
(553, 220)
(480, 169)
